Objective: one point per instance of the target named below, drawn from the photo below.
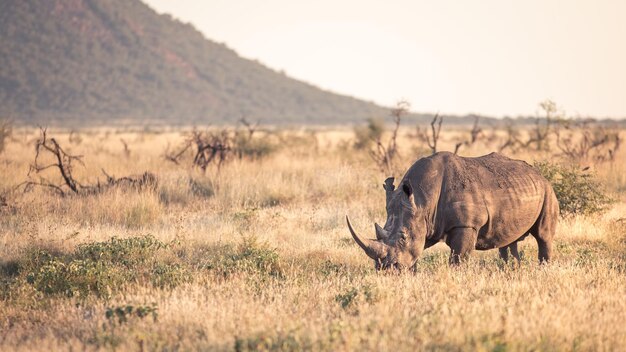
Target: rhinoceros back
(499, 196)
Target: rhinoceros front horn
(373, 249)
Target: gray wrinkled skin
(469, 203)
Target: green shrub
(578, 191)
(76, 278)
(124, 313)
(169, 275)
(102, 268)
(351, 298)
(126, 251)
(250, 257)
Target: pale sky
(491, 57)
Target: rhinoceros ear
(388, 185)
(407, 189)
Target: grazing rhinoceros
(470, 203)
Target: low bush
(578, 191)
(101, 268)
(250, 257)
(125, 251)
(164, 275)
(122, 314)
(356, 296)
(76, 278)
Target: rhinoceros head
(400, 242)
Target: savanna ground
(257, 256)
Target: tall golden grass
(269, 265)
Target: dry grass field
(256, 256)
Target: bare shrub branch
(432, 138)
(126, 148)
(176, 156)
(383, 153)
(63, 162)
(251, 128)
(512, 141)
(585, 141)
(208, 147)
(475, 134)
(147, 180)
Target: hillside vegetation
(257, 256)
(117, 60)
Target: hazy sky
(495, 57)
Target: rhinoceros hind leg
(545, 228)
(545, 250)
(462, 241)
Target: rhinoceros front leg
(462, 241)
(504, 252)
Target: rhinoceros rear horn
(373, 249)
(381, 233)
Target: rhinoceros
(478, 203)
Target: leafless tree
(538, 136)
(63, 162)
(208, 148)
(432, 138)
(384, 153)
(512, 141)
(177, 155)
(147, 180)
(214, 147)
(475, 134)
(582, 141)
(251, 128)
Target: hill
(110, 61)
